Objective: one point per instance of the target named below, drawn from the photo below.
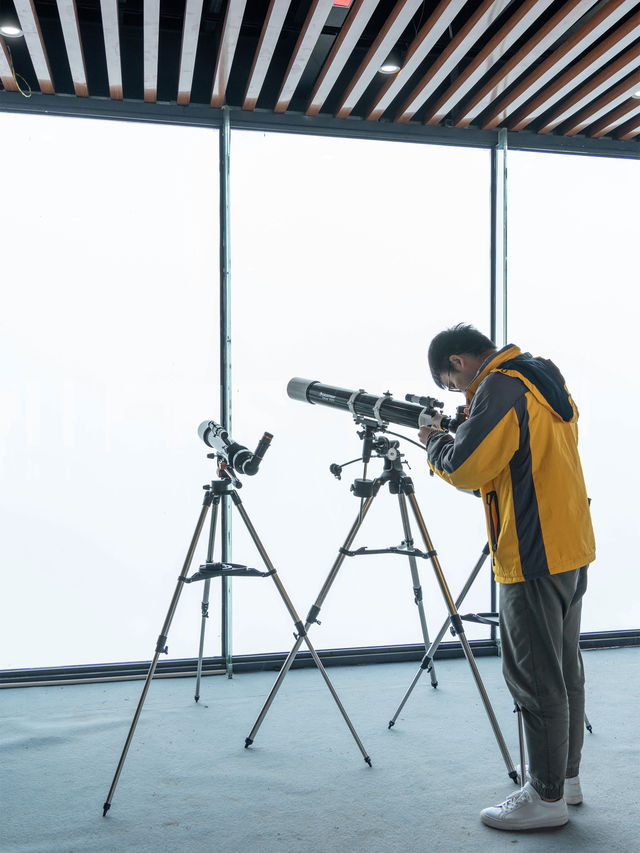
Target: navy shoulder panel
(546, 377)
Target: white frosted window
(108, 362)
(347, 257)
(573, 279)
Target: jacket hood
(540, 376)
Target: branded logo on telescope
(236, 456)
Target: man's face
(461, 371)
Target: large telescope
(415, 412)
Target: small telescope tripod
(401, 485)
(213, 494)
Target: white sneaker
(572, 791)
(526, 810)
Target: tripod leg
(311, 618)
(523, 765)
(415, 577)
(587, 724)
(160, 646)
(427, 660)
(205, 593)
(458, 626)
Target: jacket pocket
(493, 513)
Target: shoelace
(515, 800)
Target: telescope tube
(237, 455)
(382, 409)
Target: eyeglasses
(448, 386)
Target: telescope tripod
(213, 494)
(401, 485)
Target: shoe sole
(573, 801)
(523, 824)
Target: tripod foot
(196, 698)
(434, 683)
(391, 724)
(368, 760)
(105, 809)
(247, 742)
(514, 776)
(590, 729)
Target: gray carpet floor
(188, 783)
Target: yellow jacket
(519, 447)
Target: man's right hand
(425, 432)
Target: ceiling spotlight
(392, 64)
(636, 94)
(9, 23)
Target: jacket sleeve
(483, 445)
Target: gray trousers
(542, 665)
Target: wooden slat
(110, 29)
(188, 49)
(393, 28)
(5, 69)
(309, 35)
(513, 29)
(35, 44)
(457, 48)
(68, 13)
(630, 129)
(580, 71)
(226, 52)
(630, 108)
(344, 46)
(597, 86)
(271, 29)
(515, 67)
(151, 32)
(419, 49)
(569, 51)
(601, 107)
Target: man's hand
(425, 432)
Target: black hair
(462, 339)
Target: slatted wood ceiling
(552, 68)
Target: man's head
(456, 354)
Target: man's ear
(456, 362)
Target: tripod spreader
(405, 552)
(225, 570)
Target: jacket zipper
(494, 521)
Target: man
(519, 448)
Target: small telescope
(235, 455)
(415, 412)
